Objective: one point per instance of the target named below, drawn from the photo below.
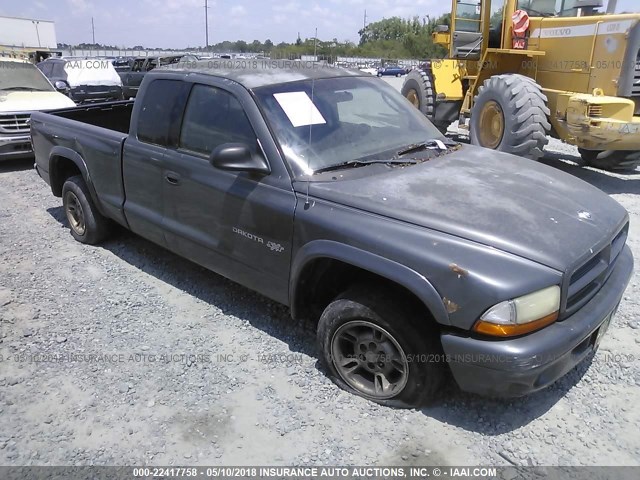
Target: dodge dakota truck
(325, 190)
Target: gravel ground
(127, 354)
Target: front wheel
(375, 349)
(510, 114)
(610, 159)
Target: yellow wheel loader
(520, 70)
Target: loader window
(467, 29)
(495, 23)
(468, 16)
(538, 8)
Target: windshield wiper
(435, 144)
(361, 163)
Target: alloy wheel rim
(369, 359)
(75, 214)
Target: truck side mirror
(61, 86)
(238, 157)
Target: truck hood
(513, 204)
(30, 101)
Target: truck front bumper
(15, 146)
(516, 367)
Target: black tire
(86, 223)
(419, 89)
(417, 340)
(524, 111)
(610, 160)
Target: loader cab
(475, 26)
(480, 24)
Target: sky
(180, 23)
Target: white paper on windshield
(299, 108)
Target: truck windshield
(22, 76)
(332, 121)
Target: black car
(132, 70)
(84, 80)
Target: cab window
(162, 107)
(212, 118)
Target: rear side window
(214, 117)
(45, 67)
(162, 107)
(58, 70)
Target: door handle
(172, 178)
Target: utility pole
(364, 24)
(206, 22)
(93, 31)
(36, 22)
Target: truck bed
(112, 115)
(94, 135)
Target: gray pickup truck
(325, 190)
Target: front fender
(393, 271)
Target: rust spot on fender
(461, 272)
(452, 307)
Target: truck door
(154, 130)
(238, 224)
(466, 27)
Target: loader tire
(419, 89)
(510, 114)
(610, 159)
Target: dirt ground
(126, 354)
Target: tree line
(393, 37)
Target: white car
(369, 70)
(23, 89)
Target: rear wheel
(610, 159)
(87, 224)
(419, 89)
(510, 114)
(375, 349)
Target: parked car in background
(394, 70)
(132, 70)
(369, 70)
(85, 80)
(23, 90)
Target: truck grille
(589, 278)
(18, 123)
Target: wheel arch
(65, 163)
(344, 265)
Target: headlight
(521, 315)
